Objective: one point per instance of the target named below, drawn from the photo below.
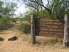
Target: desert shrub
(16, 19)
(4, 22)
(13, 19)
(26, 28)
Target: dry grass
(23, 43)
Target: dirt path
(22, 44)
(9, 32)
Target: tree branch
(43, 6)
(33, 6)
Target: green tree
(58, 8)
(7, 9)
(53, 9)
(1, 7)
(36, 4)
(10, 9)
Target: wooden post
(33, 28)
(65, 40)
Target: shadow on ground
(1, 39)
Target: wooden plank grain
(49, 27)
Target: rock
(1, 39)
(12, 38)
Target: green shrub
(44, 14)
(4, 22)
(26, 28)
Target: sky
(21, 7)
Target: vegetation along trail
(23, 43)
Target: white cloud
(21, 9)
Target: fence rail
(50, 27)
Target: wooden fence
(50, 28)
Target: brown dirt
(23, 43)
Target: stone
(1, 39)
(12, 38)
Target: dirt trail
(9, 32)
(22, 44)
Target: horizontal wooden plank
(50, 35)
(45, 19)
(49, 27)
(50, 21)
(47, 22)
(49, 31)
